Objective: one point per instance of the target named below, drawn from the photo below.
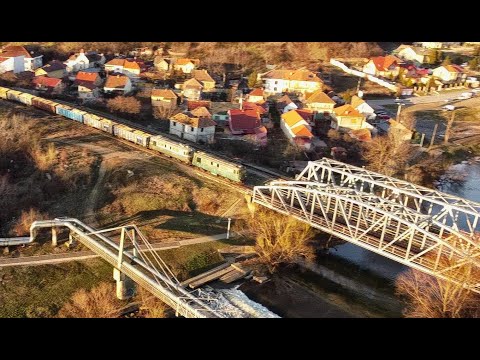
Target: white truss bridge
(416, 226)
(134, 259)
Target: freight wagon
(3, 92)
(44, 104)
(70, 112)
(218, 166)
(171, 148)
(98, 122)
(14, 95)
(135, 136)
(26, 98)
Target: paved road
(83, 255)
(444, 95)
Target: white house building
(196, 129)
(362, 107)
(300, 81)
(118, 83)
(449, 73)
(18, 59)
(77, 62)
(129, 68)
(297, 130)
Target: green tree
(252, 79)
(473, 64)
(447, 61)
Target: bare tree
(280, 239)
(152, 307)
(99, 302)
(123, 104)
(388, 155)
(430, 297)
(164, 112)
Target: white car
(449, 107)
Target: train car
(45, 104)
(98, 122)
(26, 98)
(3, 92)
(171, 148)
(14, 95)
(135, 136)
(218, 166)
(70, 112)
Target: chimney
(240, 101)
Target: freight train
(161, 144)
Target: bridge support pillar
(250, 203)
(126, 287)
(71, 240)
(54, 236)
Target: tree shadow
(190, 221)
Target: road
(84, 255)
(413, 100)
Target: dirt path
(105, 155)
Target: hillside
(249, 55)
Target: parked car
(448, 107)
(384, 116)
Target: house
(192, 89)
(92, 77)
(118, 83)
(346, 117)
(87, 90)
(320, 103)
(88, 84)
(51, 85)
(384, 66)
(77, 62)
(449, 74)
(301, 81)
(201, 112)
(196, 129)
(398, 130)
(297, 130)
(193, 104)
(185, 65)
(161, 64)
(285, 104)
(95, 59)
(256, 96)
(245, 122)
(129, 68)
(431, 45)
(164, 98)
(54, 69)
(363, 135)
(203, 77)
(20, 59)
(362, 107)
(219, 111)
(416, 54)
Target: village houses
(297, 81)
(362, 107)
(49, 85)
(320, 103)
(247, 122)
(118, 83)
(448, 74)
(54, 69)
(18, 59)
(297, 130)
(204, 78)
(384, 66)
(165, 98)
(194, 128)
(346, 117)
(185, 65)
(416, 54)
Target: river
(347, 280)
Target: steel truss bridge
(416, 226)
(134, 259)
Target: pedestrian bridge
(416, 226)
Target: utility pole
(449, 125)
(358, 85)
(433, 136)
(398, 111)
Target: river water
(349, 281)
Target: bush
(122, 104)
(22, 225)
